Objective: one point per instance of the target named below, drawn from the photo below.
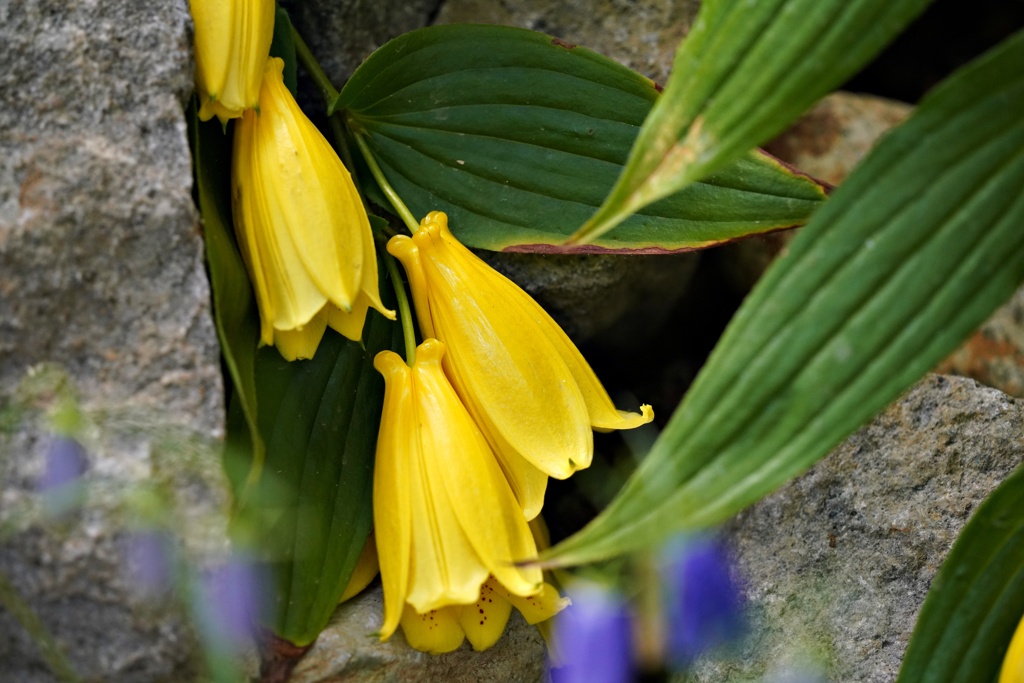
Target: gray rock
(643, 36)
(347, 651)
(343, 34)
(994, 355)
(839, 561)
(101, 274)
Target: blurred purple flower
(703, 605)
(150, 561)
(230, 603)
(593, 637)
(60, 484)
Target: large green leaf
(976, 599)
(745, 71)
(311, 512)
(234, 305)
(919, 245)
(519, 137)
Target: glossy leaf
(518, 137)
(311, 512)
(917, 248)
(234, 306)
(745, 71)
(976, 599)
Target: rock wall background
(103, 297)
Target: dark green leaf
(519, 137)
(283, 46)
(745, 71)
(976, 599)
(919, 245)
(310, 513)
(234, 305)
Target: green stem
(305, 56)
(26, 616)
(400, 208)
(404, 310)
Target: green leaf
(301, 435)
(976, 599)
(311, 512)
(745, 71)
(915, 250)
(519, 136)
(283, 45)
(234, 305)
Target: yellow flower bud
(444, 515)
(522, 379)
(232, 40)
(301, 226)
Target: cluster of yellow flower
(497, 400)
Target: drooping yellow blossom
(522, 378)
(301, 226)
(482, 623)
(232, 40)
(445, 517)
(1013, 663)
(364, 572)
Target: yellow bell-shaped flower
(482, 623)
(444, 515)
(1012, 670)
(301, 226)
(232, 40)
(525, 383)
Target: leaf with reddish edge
(518, 137)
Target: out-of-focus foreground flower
(60, 485)
(593, 639)
(301, 226)
(232, 40)
(1013, 664)
(230, 603)
(445, 517)
(703, 606)
(525, 383)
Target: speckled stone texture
(838, 562)
(101, 275)
(347, 651)
(642, 35)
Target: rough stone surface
(994, 355)
(101, 274)
(643, 36)
(343, 34)
(838, 562)
(347, 652)
(827, 143)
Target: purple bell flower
(60, 484)
(150, 561)
(703, 604)
(593, 637)
(230, 603)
